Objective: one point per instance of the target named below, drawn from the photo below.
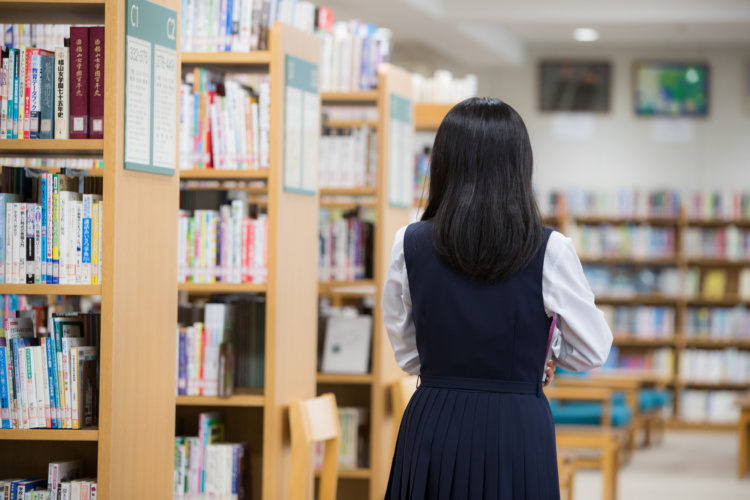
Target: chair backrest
(401, 392)
(312, 421)
(600, 394)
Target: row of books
(52, 162)
(718, 322)
(346, 246)
(717, 205)
(349, 113)
(714, 284)
(421, 176)
(628, 281)
(344, 338)
(348, 157)
(716, 407)
(220, 346)
(353, 449)
(715, 366)
(224, 246)
(730, 243)
(50, 381)
(625, 240)
(640, 321)
(207, 467)
(224, 121)
(351, 52)
(625, 203)
(657, 361)
(50, 228)
(15, 36)
(443, 87)
(57, 93)
(64, 481)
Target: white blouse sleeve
(583, 338)
(397, 313)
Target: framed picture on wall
(671, 88)
(574, 86)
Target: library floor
(687, 466)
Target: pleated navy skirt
(466, 439)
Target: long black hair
(481, 200)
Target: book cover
(101, 237)
(16, 92)
(78, 241)
(28, 376)
(21, 242)
(37, 216)
(65, 492)
(49, 224)
(86, 240)
(34, 94)
(6, 200)
(714, 284)
(60, 472)
(5, 390)
(79, 82)
(40, 375)
(30, 245)
(47, 109)
(67, 345)
(46, 383)
(96, 82)
(43, 231)
(95, 245)
(83, 386)
(23, 66)
(62, 93)
(55, 230)
(4, 92)
(49, 351)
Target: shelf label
(401, 153)
(151, 84)
(301, 126)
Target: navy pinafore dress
(479, 426)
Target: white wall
(622, 152)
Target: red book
(96, 82)
(79, 82)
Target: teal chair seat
(650, 399)
(588, 414)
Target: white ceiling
(482, 33)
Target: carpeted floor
(687, 466)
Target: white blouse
(581, 340)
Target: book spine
(43, 231)
(37, 244)
(55, 230)
(60, 386)
(23, 91)
(62, 234)
(22, 235)
(101, 233)
(86, 240)
(49, 228)
(42, 387)
(46, 110)
(30, 383)
(3, 234)
(74, 395)
(78, 221)
(62, 93)
(67, 383)
(96, 82)
(4, 96)
(35, 94)
(30, 246)
(79, 82)
(49, 352)
(16, 91)
(95, 244)
(8, 257)
(4, 392)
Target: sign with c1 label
(150, 88)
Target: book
(83, 385)
(6, 201)
(62, 92)
(30, 244)
(348, 156)
(67, 364)
(346, 245)
(96, 82)
(4, 72)
(714, 284)
(79, 82)
(6, 390)
(47, 98)
(59, 472)
(347, 344)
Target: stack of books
(715, 366)
(221, 346)
(207, 467)
(659, 362)
(353, 449)
(52, 162)
(64, 481)
(629, 282)
(224, 121)
(51, 228)
(730, 243)
(34, 35)
(624, 241)
(640, 321)
(351, 52)
(725, 205)
(53, 91)
(718, 323)
(443, 88)
(50, 379)
(422, 176)
(348, 157)
(346, 246)
(716, 407)
(223, 246)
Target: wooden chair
(567, 465)
(312, 421)
(743, 427)
(401, 393)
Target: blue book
(44, 228)
(182, 364)
(31, 485)
(9, 104)
(47, 99)
(14, 489)
(5, 198)
(34, 101)
(4, 389)
(16, 78)
(51, 369)
(228, 40)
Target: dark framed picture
(671, 88)
(574, 86)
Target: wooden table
(743, 427)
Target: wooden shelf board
(222, 287)
(255, 58)
(350, 123)
(624, 340)
(345, 205)
(714, 385)
(212, 174)
(728, 301)
(642, 299)
(52, 146)
(343, 378)
(365, 96)
(429, 116)
(654, 221)
(719, 223)
(351, 473)
(51, 289)
(49, 435)
(53, 11)
(236, 400)
(717, 343)
(92, 172)
(339, 287)
(700, 426)
(348, 192)
(717, 263)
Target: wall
(622, 152)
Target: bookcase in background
(131, 451)
(257, 417)
(371, 390)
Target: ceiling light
(586, 35)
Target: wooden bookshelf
(428, 117)
(351, 123)
(259, 417)
(622, 340)
(49, 435)
(51, 289)
(372, 389)
(611, 261)
(652, 221)
(46, 147)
